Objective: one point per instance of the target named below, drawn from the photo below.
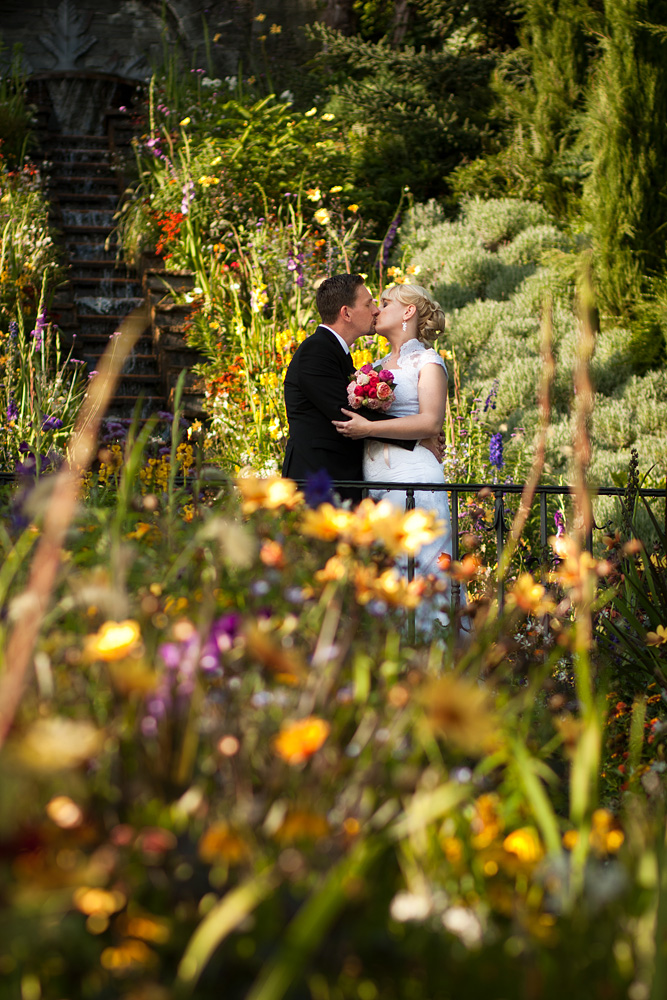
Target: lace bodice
(412, 358)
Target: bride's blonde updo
(430, 317)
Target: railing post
(455, 596)
(410, 505)
(499, 524)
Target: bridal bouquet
(371, 388)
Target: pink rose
(372, 391)
(366, 369)
(385, 375)
(359, 390)
(383, 391)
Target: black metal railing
(499, 527)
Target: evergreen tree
(626, 194)
(411, 91)
(541, 88)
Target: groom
(316, 385)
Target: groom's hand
(436, 445)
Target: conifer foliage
(626, 194)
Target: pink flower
(385, 375)
(366, 369)
(359, 390)
(384, 391)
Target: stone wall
(125, 37)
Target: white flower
(409, 906)
(464, 924)
(231, 82)
(287, 96)
(363, 379)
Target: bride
(410, 319)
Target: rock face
(125, 37)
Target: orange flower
(221, 843)
(272, 554)
(300, 824)
(269, 494)
(297, 741)
(467, 569)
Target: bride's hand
(356, 427)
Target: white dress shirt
(338, 338)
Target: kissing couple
(325, 434)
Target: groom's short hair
(335, 292)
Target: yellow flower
(93, 900)
(605, 837)
(185, 121)
(329, 118)
(313, 194)
(336, 188)
(269, 494)
(260, 18)
(352, 208)
(327, 522)
(208, 180)
(413, 269)
(113, 641)
(657, 638)
(361, 357)
(322, 217)
(297, 741)
(390, 587)
(460, 711)
(216, 161)
(128, 956)
(525, 844)
(392, 272)
(529, 596)
(309, 114)
(275, 29)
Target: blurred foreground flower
(390, 587)
(269, 494)
(114, 641)
(401, 532)
(657, 638)
(58, 743)
(575, 565)
(297, 741)
(221, 843)
(524, 844)
(529, 596)
(461, 712)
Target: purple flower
(389, 239)
(12, 409)
(51, 424)
(13, 329)
(491, 398)
(291, 264)
(319, 488)
(38, 332)
(496, 450)
(560, 523)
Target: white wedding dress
(391, 463)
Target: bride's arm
(427, 423)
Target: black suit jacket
(315, 391)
